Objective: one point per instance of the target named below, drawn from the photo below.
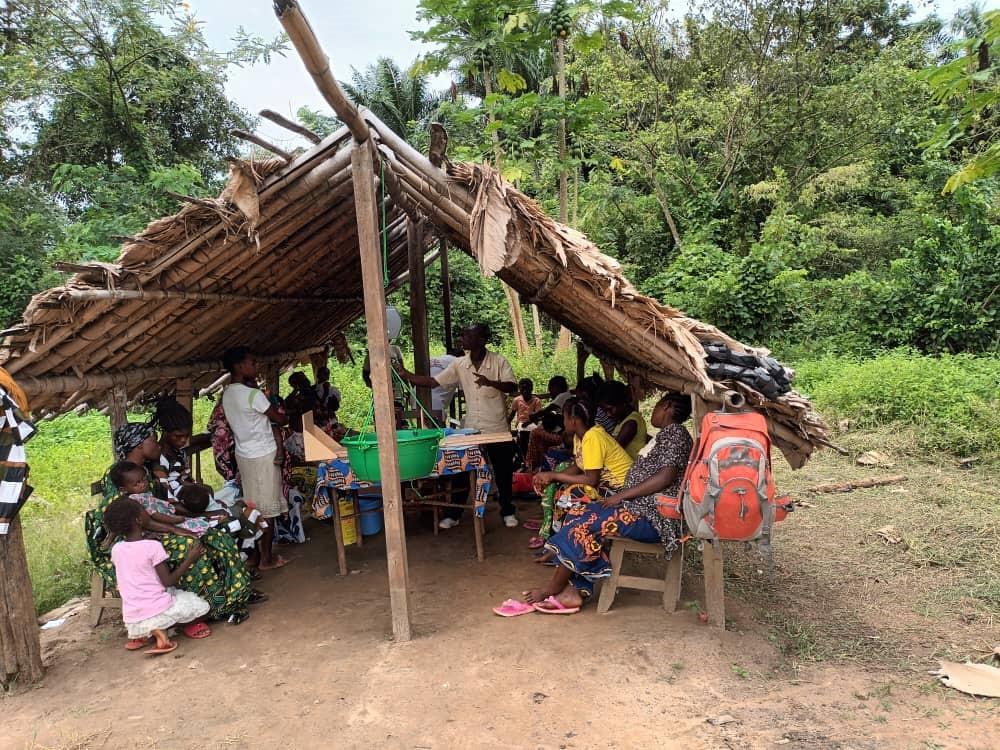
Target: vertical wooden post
(185, 393)
(608, 369)
(449, 343)
(318, 360)
(715, 586)
(699, 408)
(117, 411)
(536, 321)
(20, 650)
(272, 379)
(581, 362)
(385, 422)
(418, 306)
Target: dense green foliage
(774, 168)
(106, 105)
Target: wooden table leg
(338, 532)
(357, 519)
(477, 522)
(715, 587)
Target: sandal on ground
(196, 630)
(552, 606)
(536, 542)
(257, 597)
(134, 644)
(254, 574)
(513, 608)
(532, 524)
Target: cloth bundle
(15, 430)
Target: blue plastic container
(371, 514)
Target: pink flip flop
(536, 542)
(532, 524)
(553, 606)
(513, 608)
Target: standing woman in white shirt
(250, 414)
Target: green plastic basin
(417, 450)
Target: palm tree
(398, 98)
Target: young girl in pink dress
(150, 603)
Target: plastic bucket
(371, 514)
(417, 451)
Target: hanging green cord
(385, 231)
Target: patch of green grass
(952, 400)
(742, 672)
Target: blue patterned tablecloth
(337, 474)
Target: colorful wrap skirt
(579, 545)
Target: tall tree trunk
(20, 650)
(513, 300)
(536, 319)
(564, 334)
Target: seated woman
(615, 398)
(578, 547)
(173, 468)
(598, 470)
(219, 576)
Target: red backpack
(728, 491)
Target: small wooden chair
(101, 597)
(670, 584)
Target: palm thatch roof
(273, 263)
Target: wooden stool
(101, 598)
(670, 584)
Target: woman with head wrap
(219, 576)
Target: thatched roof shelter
(273, 263)
(276, 262)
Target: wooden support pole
(418, 307)
(385, 418)
(582, 354)
(318, 361)
(715, 586)
(446, 296)
(318, 64)
(20, 650)
(117, 407)
(185, 393)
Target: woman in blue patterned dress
(578, 547)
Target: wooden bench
(670, 583)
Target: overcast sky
(352, 34)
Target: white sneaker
(447, 523)
(510, 521)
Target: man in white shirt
(486, 378)
(441, 396)
(250, 414)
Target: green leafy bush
(953, 401)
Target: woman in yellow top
(630, 431)
(599, 467)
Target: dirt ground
(315, 667)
